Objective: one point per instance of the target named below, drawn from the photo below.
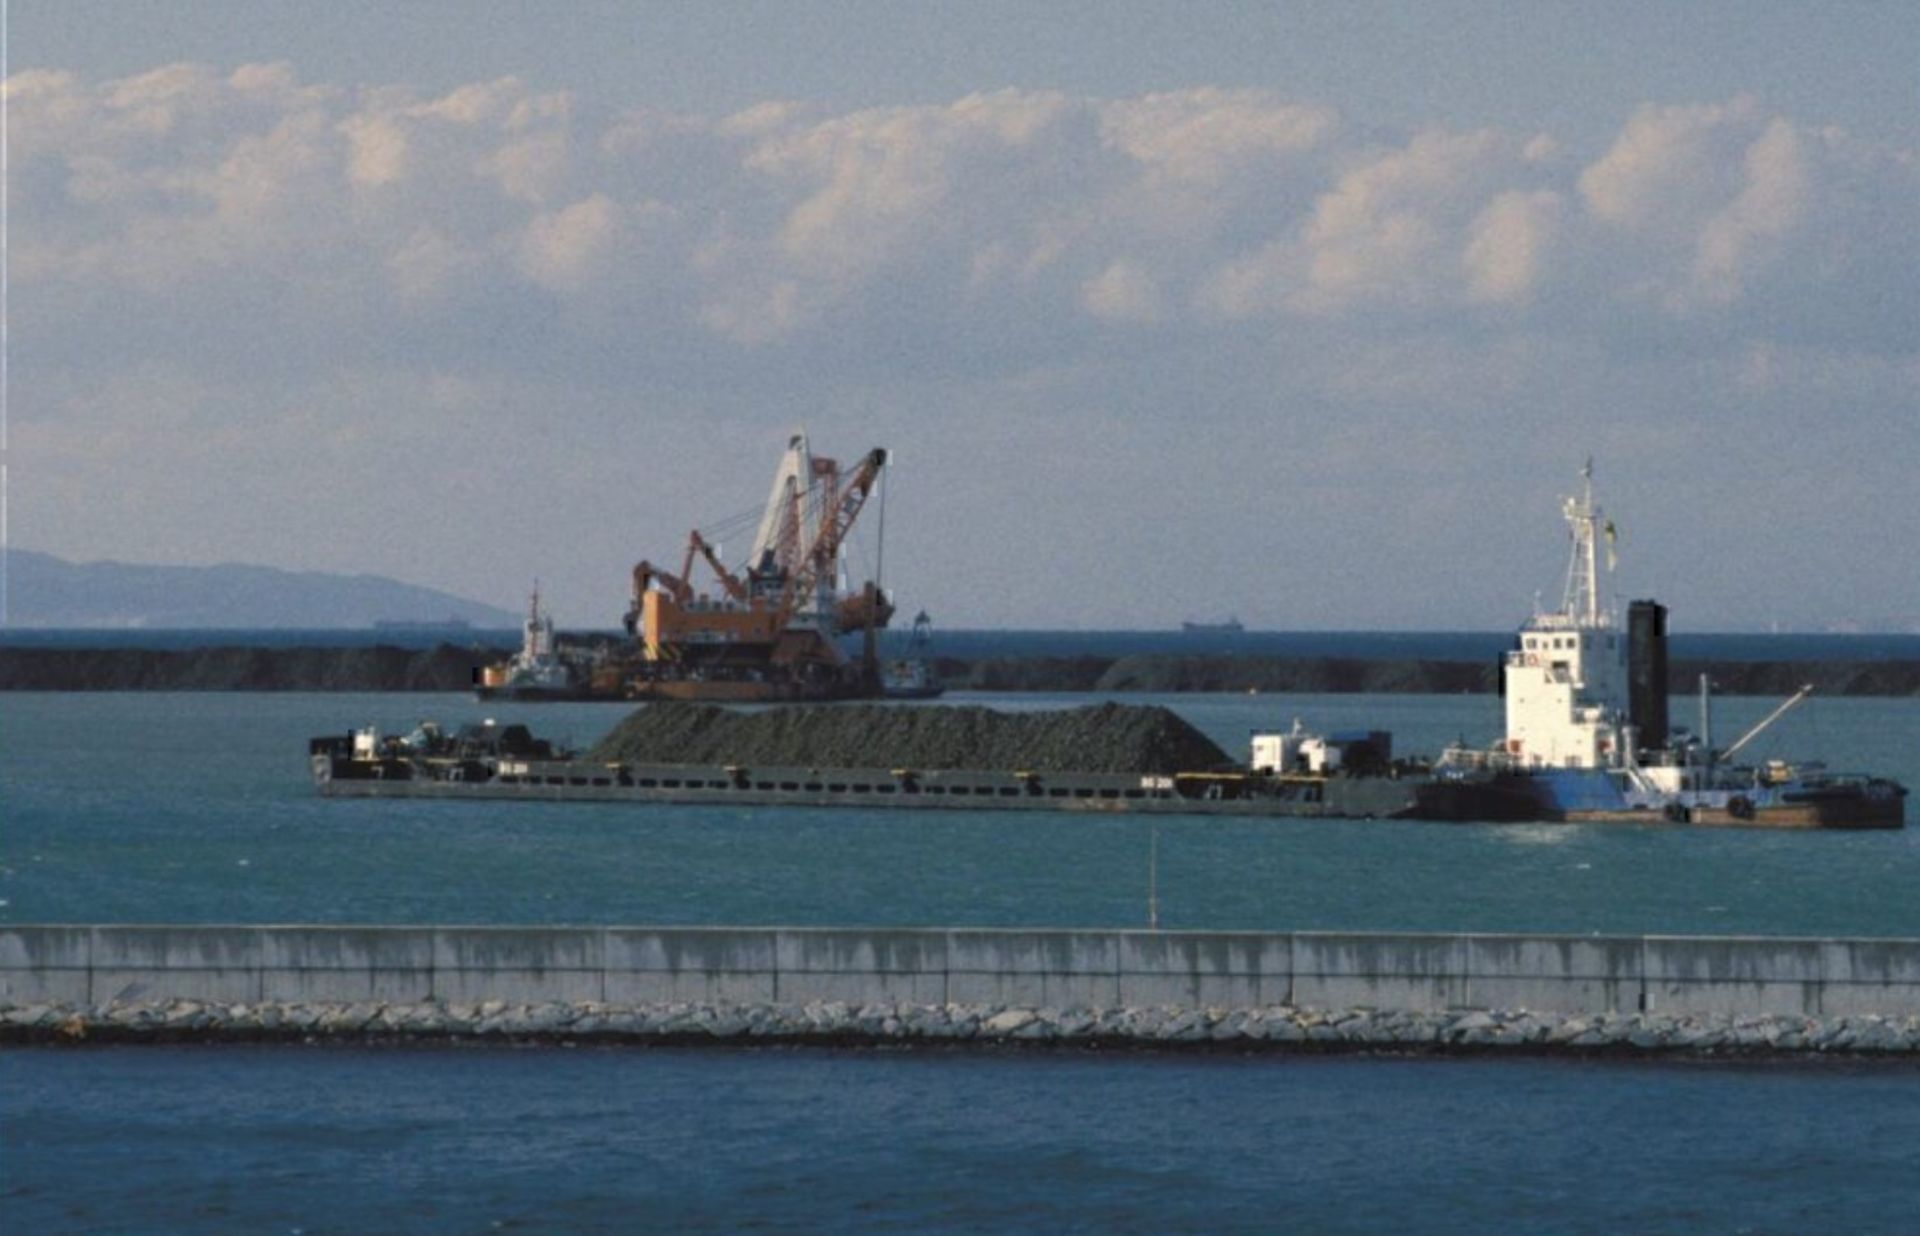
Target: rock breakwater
(1396, 676)
(451, 668)
(1265, 1029)
(379, 668)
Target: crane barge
(771, 631)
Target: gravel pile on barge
(1117, 738)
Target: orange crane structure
(771, 631)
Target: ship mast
(537, 640)
(1581, 603)
(1566, 683)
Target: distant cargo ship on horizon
(1230, 627)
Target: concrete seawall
(79, 967)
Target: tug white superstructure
(537, 671)
(1586, 728)
(1566, 682)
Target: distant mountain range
(45, 591)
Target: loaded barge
(1347, 777)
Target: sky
(1302, 313)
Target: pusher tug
(537, 671)
(1587, 736)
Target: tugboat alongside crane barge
(538, 671)
(770, 635)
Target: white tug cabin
(538, 662)
(1566, 683)
(1295, 750)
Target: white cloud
(1724, 207)
(531, 168)
(1771, 203)
(478, 102)
(774, 221)
(763, 119)
(1670, 165)
(755, 314)
(1206, 167)
(1124, 292)
(156, 102)
(1380, 232)
(427, 262)
(378, 149)
(1207, 137)
(568, 249)
(1243, 264)
(876, 185)
(1507, 246)
(1389, 229)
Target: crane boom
(1769, 719)
(836, 522)
(728, 580)
(772, 633)
(644, 573)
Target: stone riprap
(1263, 1029)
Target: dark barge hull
(545, 695)
(1852, 811)
(338, 776)
(1489, 801)
(521, 769)
(1506, 798)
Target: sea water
(197, 808)
(360, 1140)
